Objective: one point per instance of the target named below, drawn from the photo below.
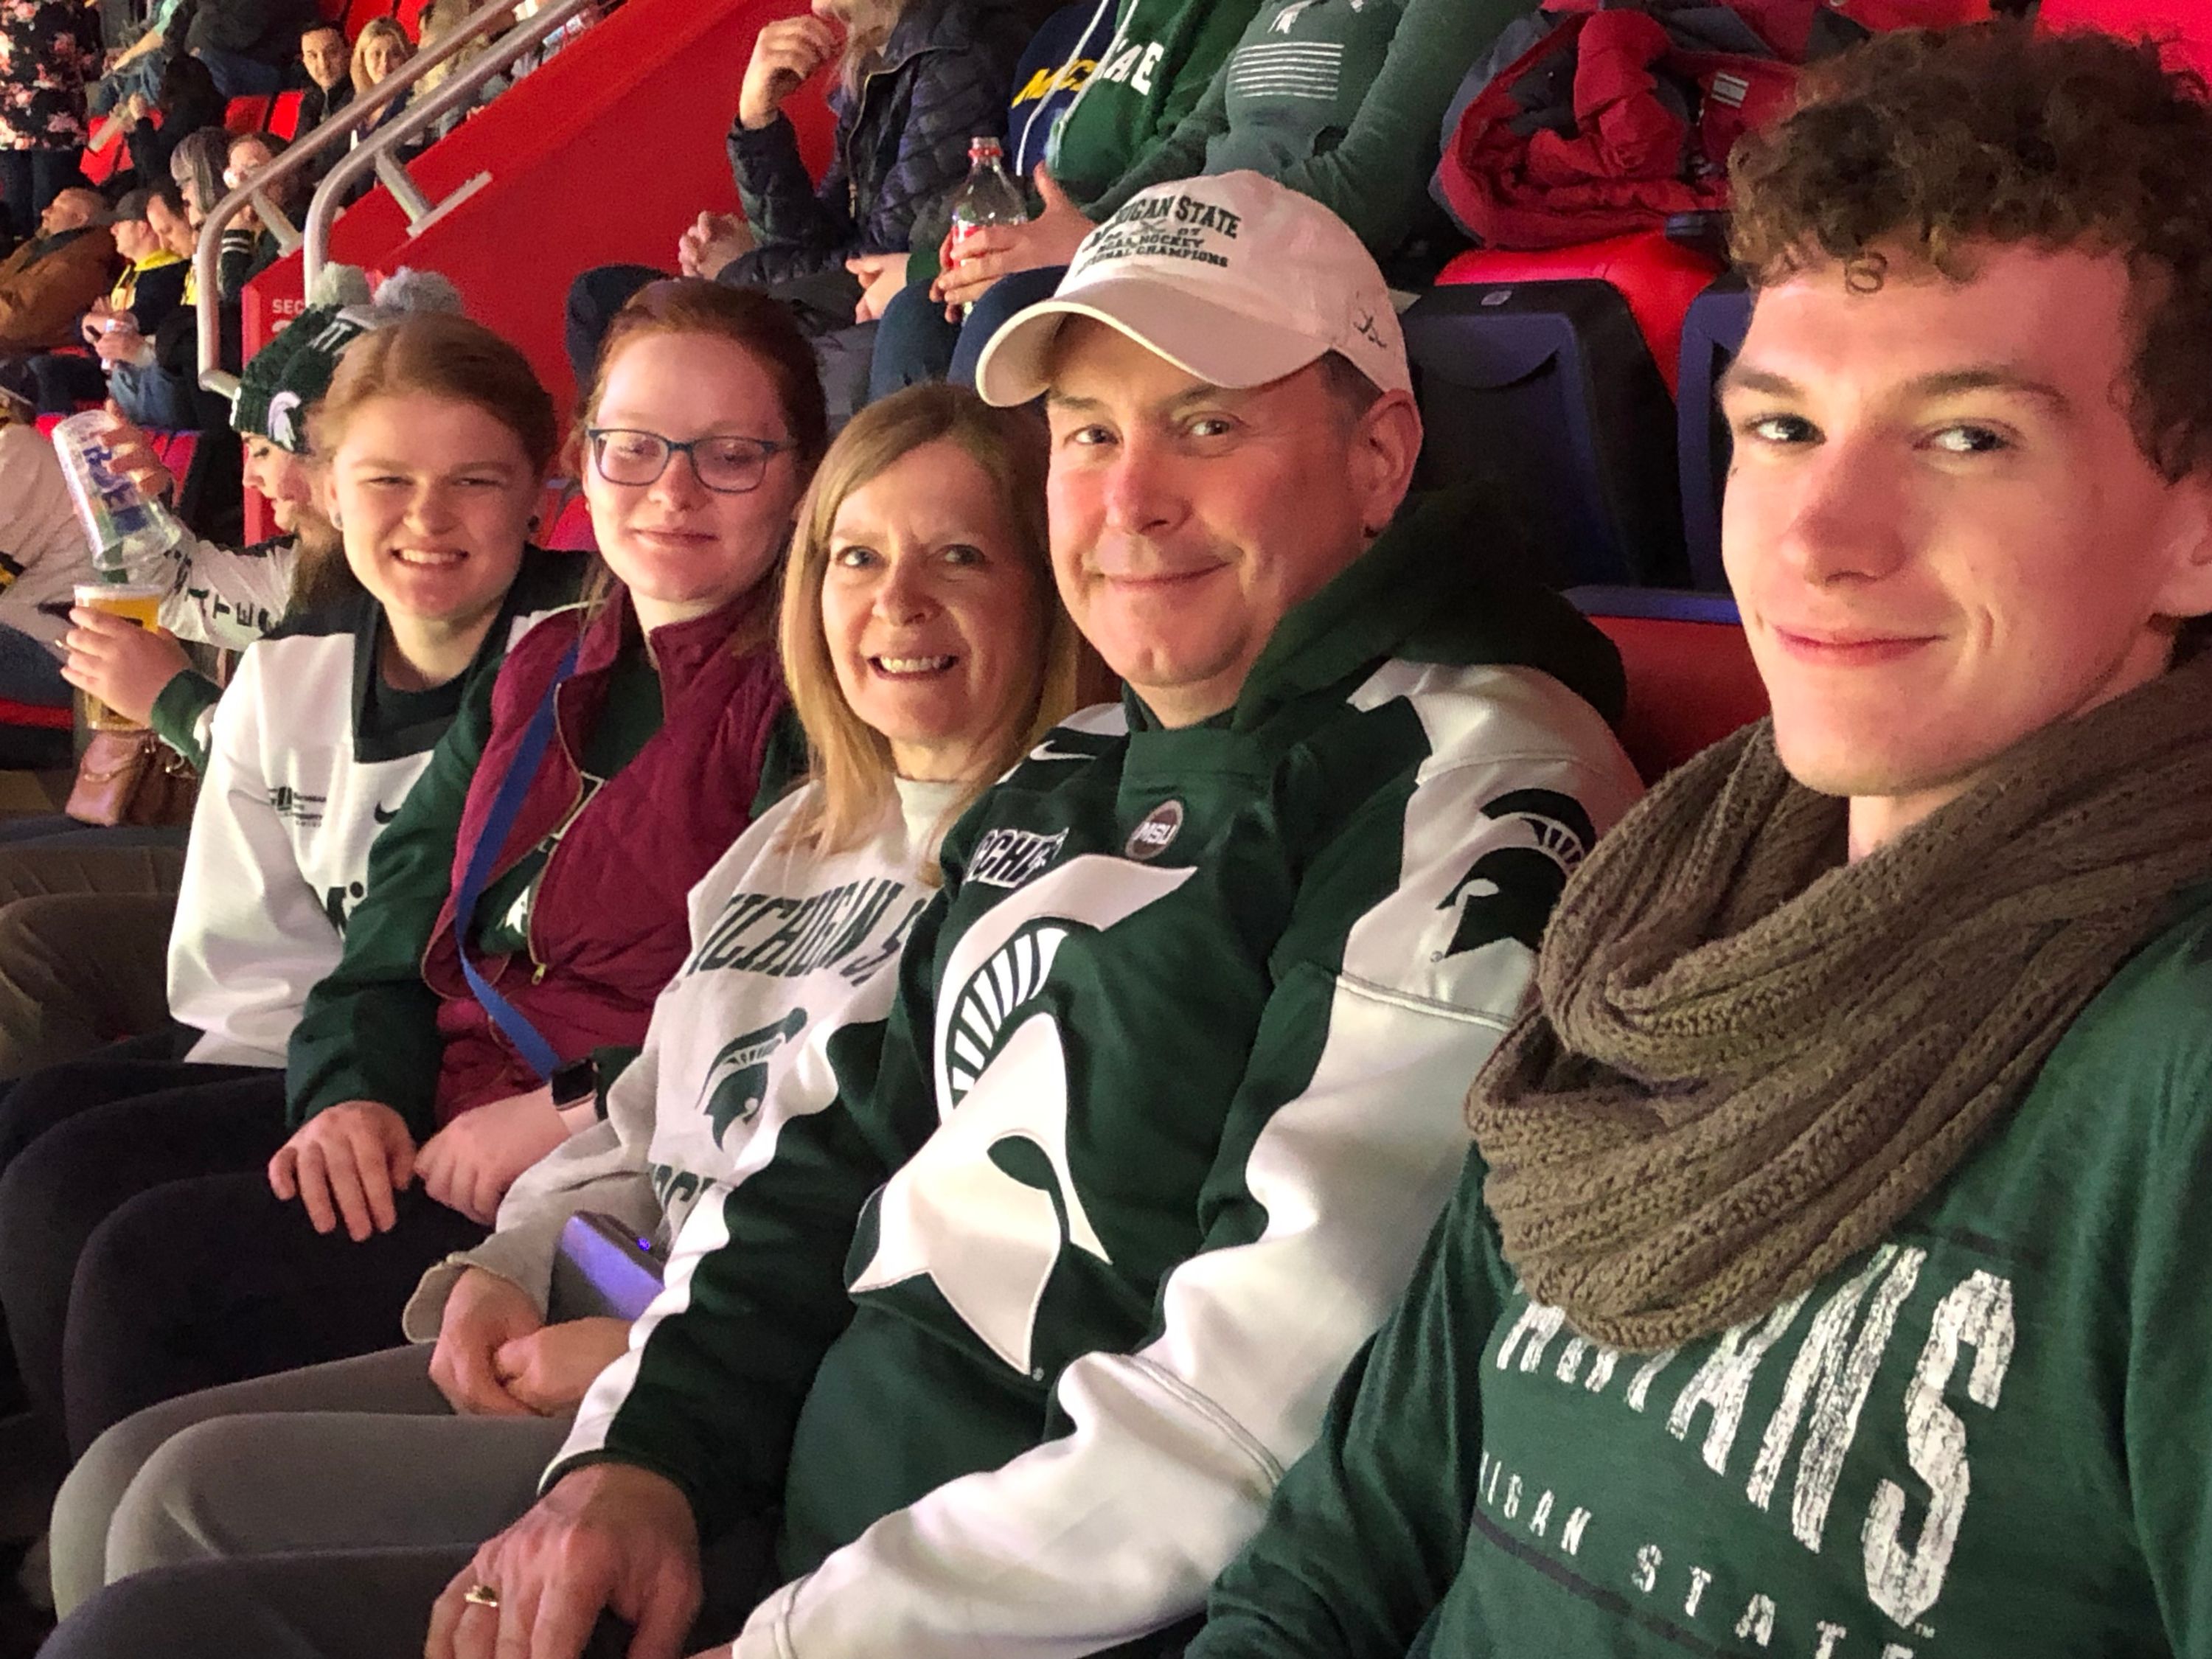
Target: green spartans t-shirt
(1987, 1438)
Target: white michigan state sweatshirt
(791, 948)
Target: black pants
(30, 179)
(78, 1138)
(142, 1256)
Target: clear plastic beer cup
(142, 603)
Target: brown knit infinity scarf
(1750, 1058)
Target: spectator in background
(936, 72)
(440, 19)
(1149, 75)
(136, 69)
(151, 287)
(250, 247)
(327, 62)
(49, 52)
(42, 549)
(187, 103)
(246, 44)
(46, 283)
(1341, 100)
(379, 49)
(196, 165)
(155, 379)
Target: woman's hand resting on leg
(484, 1314)
(470, 1163)
(345, 1164)
(549, 1371)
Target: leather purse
(132, 778)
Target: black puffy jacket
(901, 143)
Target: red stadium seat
(409, 16)
(284, 115)
(1885, 14)
(570, 524)
(359, 14)
(176, 450)
(249, 114)
(2184, 26)
(38, 716)
(1657, 277)
(99, 165)
(1691, 679)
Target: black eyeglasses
(726, 466)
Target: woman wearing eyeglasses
(526, 904)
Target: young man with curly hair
(1833, 1278)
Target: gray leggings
(362, 1454)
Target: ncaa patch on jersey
(1153, 835)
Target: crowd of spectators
(695, 1097)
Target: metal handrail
(207, 256)
(380, 150)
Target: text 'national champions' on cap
(1233, 278)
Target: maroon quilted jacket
(608, 927)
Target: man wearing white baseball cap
(1007, 1337)
(1233, 279)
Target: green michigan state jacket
(1982, 1439)
(1019, 1331)
(310, 755)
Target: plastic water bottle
(987, 196)
(125, 527)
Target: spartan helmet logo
(1510, 890)
(737, 1079)
(284, 422)
(991, 1203)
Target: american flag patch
(1287, 70)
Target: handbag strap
(521, 770)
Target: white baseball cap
(1231, 277)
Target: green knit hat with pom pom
(288, 376)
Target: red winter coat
(608, 927)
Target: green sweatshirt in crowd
(1341, 100)
(1983, 1439)
(1164, 54)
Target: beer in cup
(142, 603)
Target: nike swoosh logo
(1045, 751)
(381, 816)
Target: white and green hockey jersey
(1019, 1332)
(310, 757)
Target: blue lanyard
(521, 770)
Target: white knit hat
(1230, 277)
